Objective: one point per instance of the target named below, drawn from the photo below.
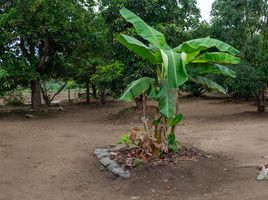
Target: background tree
(174, 18)
(108, 79)
(90, 53)
(35, 33)
(244, 24)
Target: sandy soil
(50, 157)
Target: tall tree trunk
(69, 95)
(74, 94)
(88, 97)
(94, 91)
(261, 101)
(103, 97)
(36, 95)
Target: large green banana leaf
(167, 99)
(217, 57)
(138, 47)
(176, 72)
(137, 88)
(147, 32)
(207, 83)
(209, 68)
(200, 44)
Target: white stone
(100, 150)
(103, 155)
(106, 161)
(121, 172)
(112, 166)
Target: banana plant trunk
(144, 105)
(190, 61)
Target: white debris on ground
(263, 173)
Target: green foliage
(138, 87)
(211, 69)
(4, 83)
(171, 139)
(124, 139)
(244, 24)
(194, 89)
(145, 31)
(38, 38)
(200, 44)
(248, 84)
(207, 83)
(189, 61)
(175, 121)
(173, 18)
(175, 68)
(167, 99)
(109, 77)
(14, 98)
(137, 162)
(172, 72)
(172, 144)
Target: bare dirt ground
(50, 157)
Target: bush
(109, 78)
(194, 89)
(249, 82)
(14, 98)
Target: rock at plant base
(121, 172)
(106, 161)
(116, 148)
(112, 166)
(103, 155)
(98, 151)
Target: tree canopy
(38, 37)
(66, 40)
(245, 25)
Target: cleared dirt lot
(50, 158)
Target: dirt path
(50, 158)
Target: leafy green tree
(244, 24)
(84, 70)
(108, 78)
(189, 61)
(90, 54)
(36, 33)
(174, 18)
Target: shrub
(249, 83)
(14, 98)
(108, 78)
(194, 89)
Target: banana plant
(190, 61)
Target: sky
(205, 7)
